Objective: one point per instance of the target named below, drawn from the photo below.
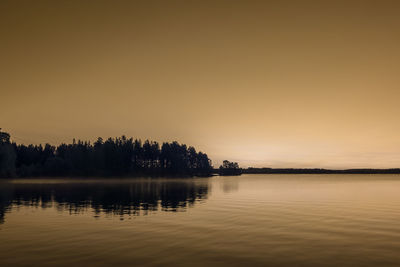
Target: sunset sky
(264, 83)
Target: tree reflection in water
(122, 197)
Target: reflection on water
(230, 185)
(251, 220)
(121, 197)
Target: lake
(248, 220)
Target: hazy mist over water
(252, 220)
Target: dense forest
(119, 156)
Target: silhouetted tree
(229, 168)
(7, 156)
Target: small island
(229, 168)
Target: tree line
(120, 156)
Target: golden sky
(264, 83)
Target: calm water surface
(251, 220)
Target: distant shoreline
(313, 171)
(318, 171)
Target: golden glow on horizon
(266, 83)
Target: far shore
(318, 171)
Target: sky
(264, 83)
